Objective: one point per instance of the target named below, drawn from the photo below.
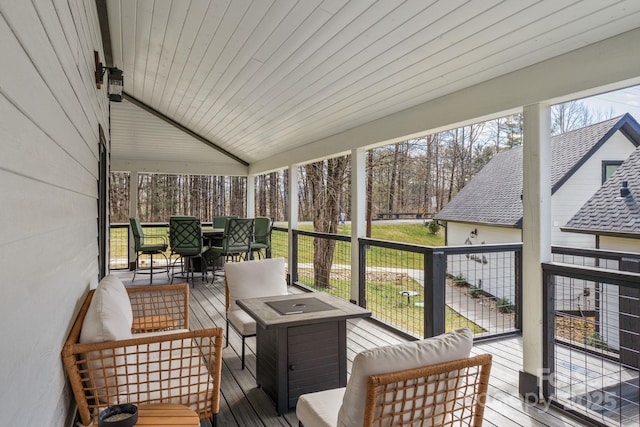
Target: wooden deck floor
(244, 405)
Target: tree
(325, 179)
(575, 115)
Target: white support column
(293, 207)
(133, 211)
(251, 196)
(536, 238)
(358, 213)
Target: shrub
(475, 291)
(504, 305)
(433, 226)
(459, 280)
(596, 340)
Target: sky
(621, 101)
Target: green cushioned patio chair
(221, 221)
(151, 249)
(185, 237)
(236, 241)
(261, 237)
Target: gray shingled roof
(493, 196)
(606, 212)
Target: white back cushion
(450, 346)
(255, 279)
(109, 316)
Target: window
(608, 168)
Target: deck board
(244, 405)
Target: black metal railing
(425, 291)
(592, 336)
(334, 250)
(418, 290)
(280, 243)
(119, 246)
(588, 257)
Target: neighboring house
(612, 215)
(489, 208)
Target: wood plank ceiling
(259, 78)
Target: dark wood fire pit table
(301, 343)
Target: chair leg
(135, 269)
(151, 270)
(214, 420)
(190, 268)
(227, 335)
(243, 352)
(167, 263)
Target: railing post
(434, 293)
(518, 288)
(362, 274)
(293, 262)
(548, 334)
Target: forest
(422, 174)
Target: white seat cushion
(320, 409)
(109, 316)
(450, 346)
(242, 322)
(252, 279)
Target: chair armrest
(157, 235)
(180, 367)
(160, 307)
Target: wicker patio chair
(162, 362)
(446, 394)
(450, 391)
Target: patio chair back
(138, 235)
(221, 221)
(238, 234)
(185, 235)
(451, 393)
(262, 236)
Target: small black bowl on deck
(125, 415)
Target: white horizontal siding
(459, 232)
(49, 115)
(620, 244)
(580, 187)
(493, 273)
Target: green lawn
(414, 233)
(397, 232)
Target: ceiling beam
(103, 19)
(176, 167)
(178, 126)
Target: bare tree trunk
(272, 187)
(392, 179)
(325, 181)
